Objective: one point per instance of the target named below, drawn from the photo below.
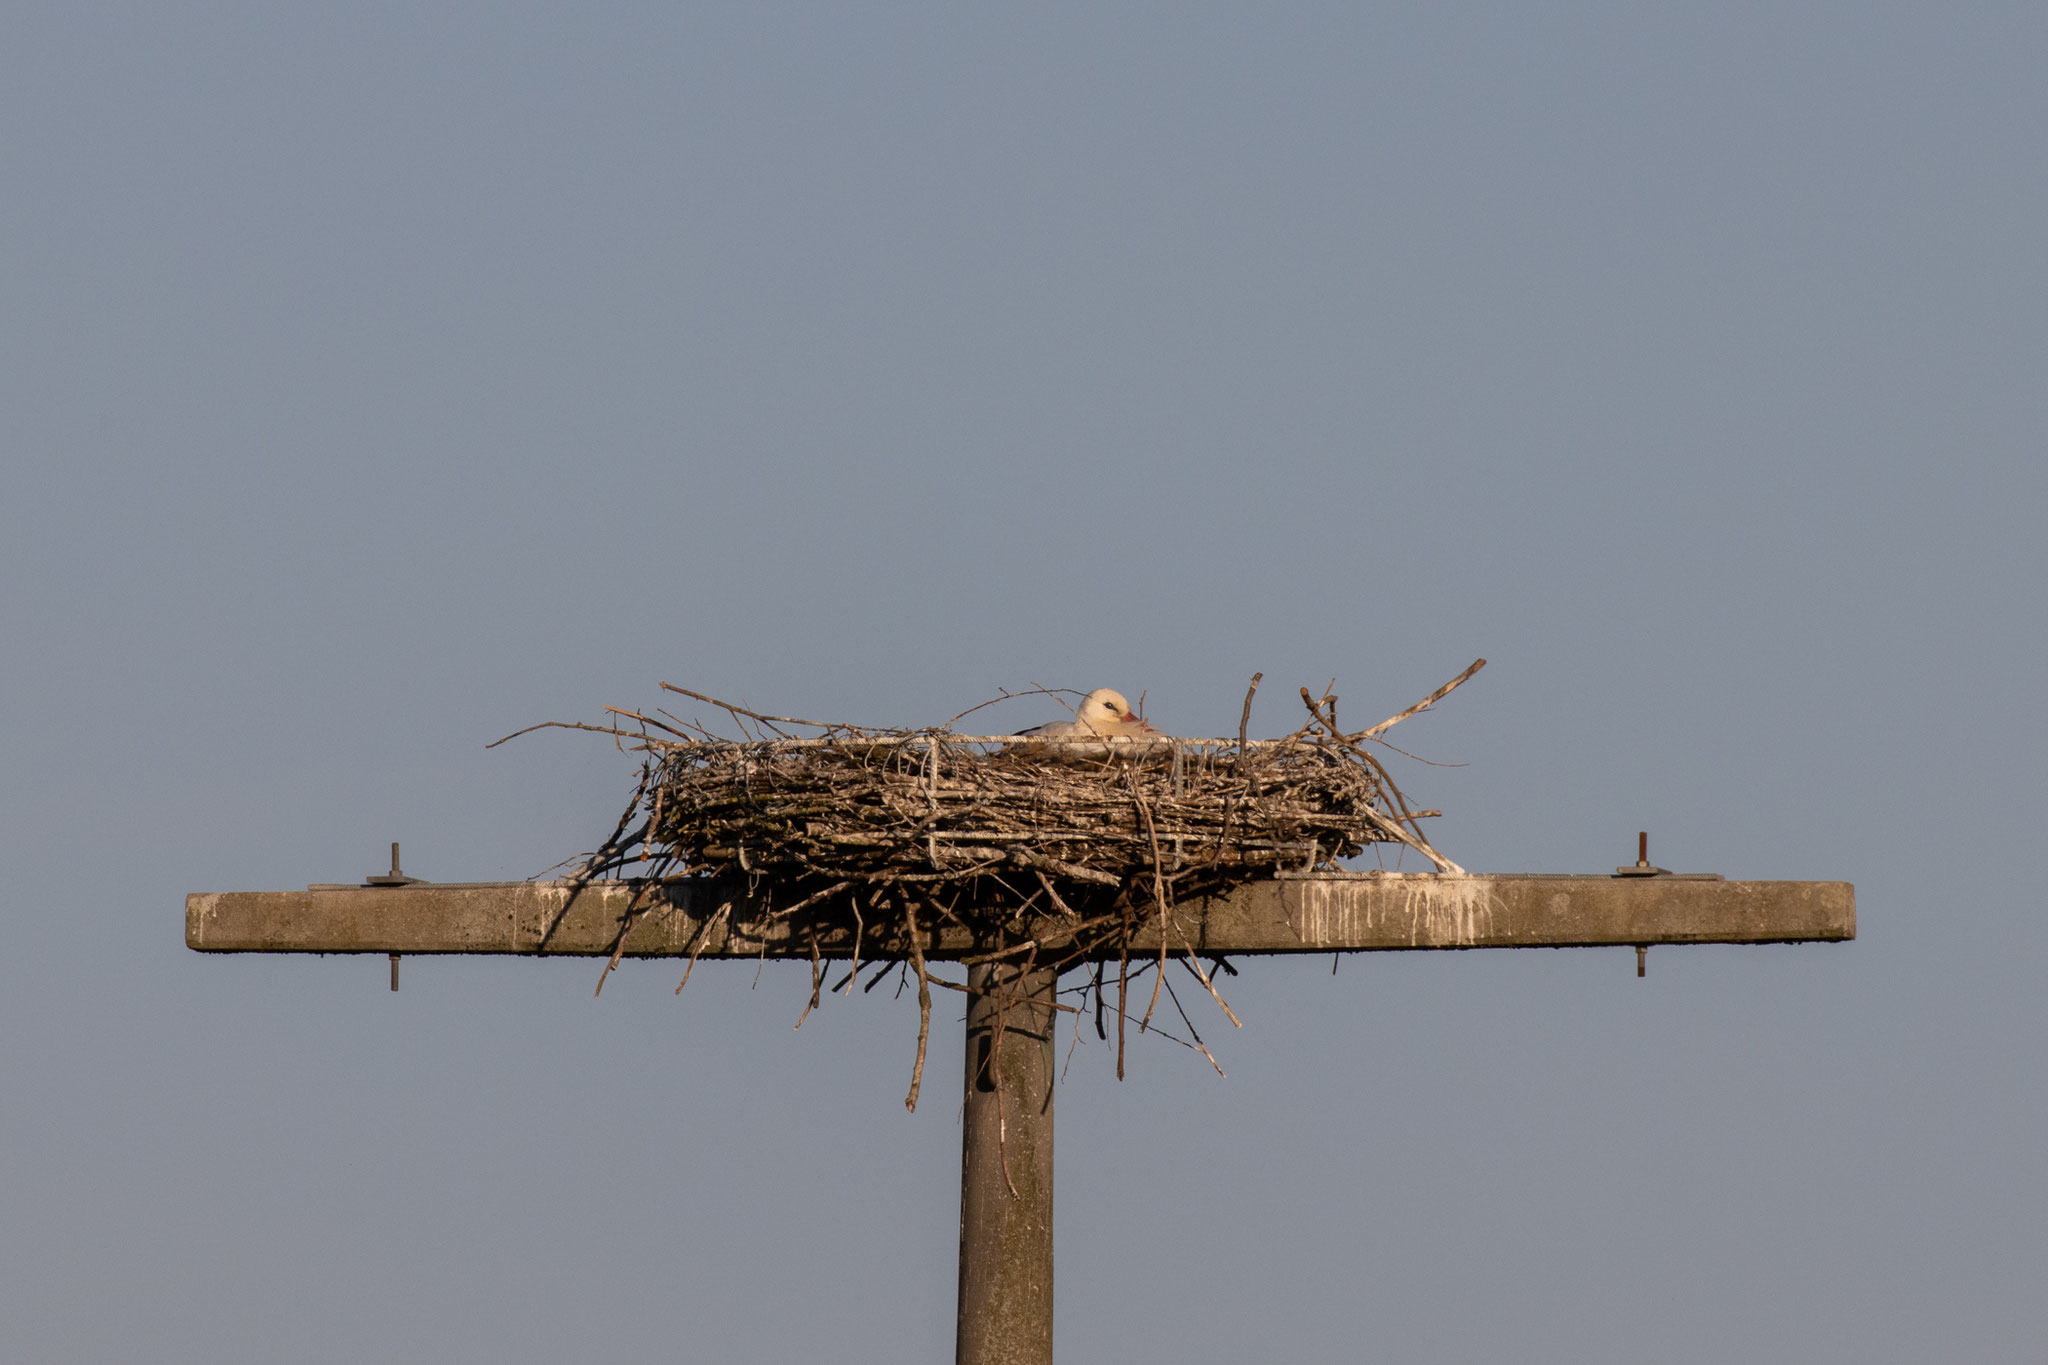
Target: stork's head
(1105, 712)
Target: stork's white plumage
(1103, 712)
(1104, 726)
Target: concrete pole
(1006, 1169)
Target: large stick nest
(883, 807)
(999, 833)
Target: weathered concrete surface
(1335, 913)
(1006, 1169)
(1313, 914)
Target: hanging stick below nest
(924, 1003)
(1009, 996)
(704, 932)
(625, 927)
(1174, 996)
(1080, 950)
(859, 928)
(1195, 966)
(817, 980)
(1004, 1002)
(1123, 987)
(1159, 896)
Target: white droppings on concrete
(1430, 908)
(544, 907)
(201, 907)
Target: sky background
(376, 380)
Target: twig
(1007, 695)
(649, 720)
(625, 927)
(1174, 996)
(808, 901)
(769, 721)
(1159, 896)
(1039, 689)
(1053, 892)
(703, 937)
(1386, 823)
(1203, 977)
(563, 725)
(817, 980)
(859, 927)
(1100, 1035)
(924, 1005)
(1430, 762)
(1123, 985)
(1009, 997)
(1391, 721)
(1077, 1038)
(995, 1064)
(1033, 944)
(1245, 719)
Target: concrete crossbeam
(1307, 914)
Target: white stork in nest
(1103, 725)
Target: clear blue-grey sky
(379, 379)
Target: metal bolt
(1642, 850)
(395, 877)
(394, 956)
(1642, 952)
(1642, 867)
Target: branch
(1391, 721)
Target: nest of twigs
(998, 833)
